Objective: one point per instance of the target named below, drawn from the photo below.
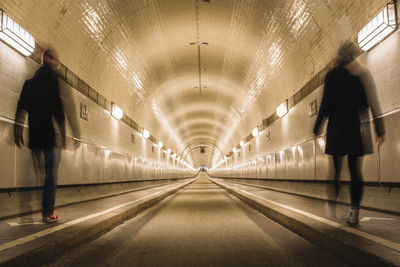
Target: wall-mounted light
(282, 109)
(241, 143)
(378, 28)
(300, 150)
(160, 144)
(16, 36)
(255, 132)
(234, 150)
(169, 151)
(146, 133)
(321, 142)
(116, 111)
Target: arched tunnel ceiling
(144, 55)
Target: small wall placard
(84, 111)
(312, 108)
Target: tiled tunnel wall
(110, 151)
(290, 151)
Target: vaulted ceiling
(195, 72)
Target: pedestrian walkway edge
(58, 242)
(354, 249)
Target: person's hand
(380, 140)
(18, 136)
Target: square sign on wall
(312, 108)
(84, 111)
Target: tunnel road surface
(201, 225)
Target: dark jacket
(344, 100)
(40, 98)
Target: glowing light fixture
(300, 150)
(241, 143)
(16, 36)
(282, 109)
(255, 132)
(169, 151)
(321, 142)
(146, 133)
(234, 150)
(378, 28)
(116, 111)
(160, 144)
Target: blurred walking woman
(349, 94)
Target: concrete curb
(375, 196)
(58, 242)
(354, 249)
(65, 196)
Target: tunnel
(193, 133)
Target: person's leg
(356, 188)
(38, 167)
(52, 158)
(333, 191)
(337, 160)
(38, 164)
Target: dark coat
(40, 98)
(344, 100)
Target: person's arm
(20, 116)
(70, 112)
(372, 100)
(324, 107)
(58, 111)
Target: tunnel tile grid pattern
(77, 83)
(92, 94)
(101, 36)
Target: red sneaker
(51, 218)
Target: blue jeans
(51, 161)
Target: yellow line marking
(367, 219)
(22, 223)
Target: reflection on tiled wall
(129, 50)
(106, 154)
(293, 132)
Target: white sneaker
(353, 216)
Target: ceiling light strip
(16, 36)
(381, 26)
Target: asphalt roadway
(201, 225)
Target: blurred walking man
(40, 98)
